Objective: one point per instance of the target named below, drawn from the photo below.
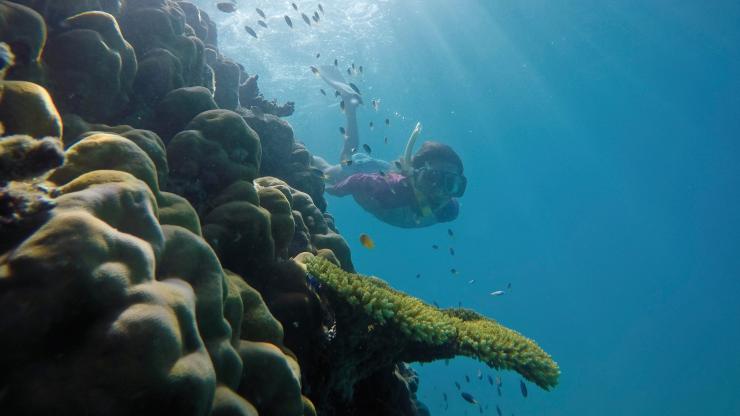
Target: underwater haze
(600, 142)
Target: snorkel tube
(407, 153)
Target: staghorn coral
(429, 333)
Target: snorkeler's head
(438, 171)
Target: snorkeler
(415, 191)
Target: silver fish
(523, 388)
(306, 19)
(251, 31)
(468, 398)
(288, 21)
(261, 23)
(295, 6)
(497, 293)
(226, 6)
(321, 8)
(261, 13)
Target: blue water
(601, 143)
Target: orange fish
(367, 241)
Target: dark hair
(434, 151)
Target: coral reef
(416, 331)
(158, 215)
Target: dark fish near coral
(434, 302)
(360, 68)
(315, 70)
(450, 233)
(381, 173)
(251, 31)
(398, 164)
(367, 242)
(261, 23)
(453, 271)
(387, 122)
(468, 398)
(467, 379)
(444, 396)
(321, 8)
(295, 6)
(313, 282)
(371, 125)
(367, 148)
(336, 63)
(498, 410)
(349, 71)
(261, 13)
(337, 94)
(456, 383)
(341, 130)
(354, 87)
(288, 21)
(490, 380)
(306, 19)
(386, 142)
(322, 92)
(452, 251)
(523, 388)
(318, 55)
(342, 105)
(226, 6)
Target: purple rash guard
(391, 199)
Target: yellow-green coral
(463, 332)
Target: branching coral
(434, 333)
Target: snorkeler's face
(440, 180)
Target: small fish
(418, 275)
(261, 13)
(490, 379)
(387, 122)
(261, 23)
(367, 242)
(322, 92)
(381, 173)
(434, 302)
(456, 383)
(480, 375)
(288, 21)
(347, 162)
(450, 233)
(467, 378)
(367, 148)
(468, 397)
(342, 130)
(349, 71)
(452, 251)
(498, 410)
(508, 287)
(371, 125)
(385, 140)
(336, 94)
(306, 19)
(321, 8)
(396, 163)
(354, 87)
(342, 105)
(376, 104)
(336, 63)
(315, 70)
(497, 293)
(315, 18)
(360, 69)
(453, 271)
(434, 246)
(295, 6)
(318, 55)
(444, 396)
(251, 31)
(523, 388)
(226, 6)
